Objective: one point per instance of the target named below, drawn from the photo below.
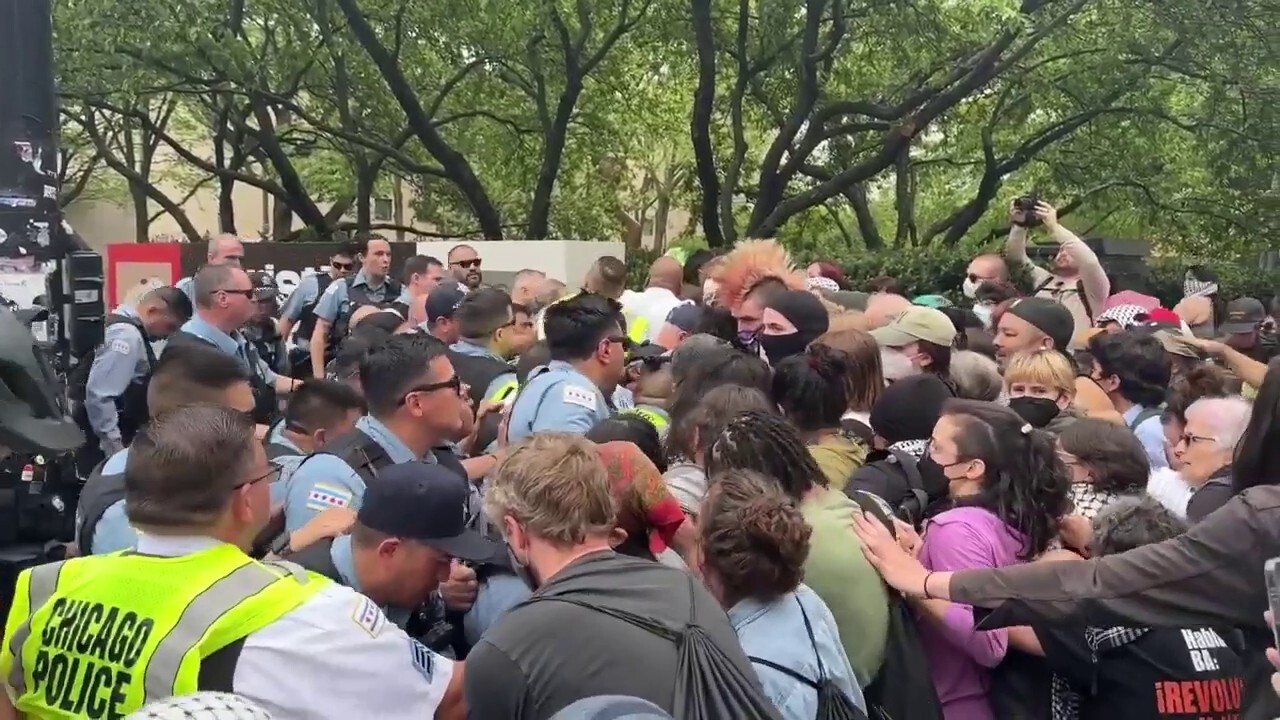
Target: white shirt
(654, 304)
(335, 656)
(1170, 490)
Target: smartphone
(1271, 572)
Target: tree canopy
(846, 125)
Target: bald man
(647, 311)
(224, 249)
(883, 307)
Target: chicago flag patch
(323, 497)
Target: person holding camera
(1076, 279)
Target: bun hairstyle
(754, 539)
(1025, 483)
(813, 388)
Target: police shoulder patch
(324, 496)
(580, 396)
(369, 616)
(119, 346)
(423, 659)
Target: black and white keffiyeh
(1191, 287)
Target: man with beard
(192, 611)
(1077, 280)
(464, 266)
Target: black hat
(428, 503)
(1243, 316)
(1048, 317)
(444, 301)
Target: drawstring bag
(709, 685)
(833, 704)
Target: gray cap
(612, 707)
(694, 351)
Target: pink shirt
(959, 656)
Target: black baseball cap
(1243, 316)
(443, 301)
(428, 503)
(686, 316)
(1048, 317)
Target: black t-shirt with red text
(1149, 673)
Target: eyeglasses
(271, 475)
(343, 265)
(1188, 439)
(975, 278)
(622, 340)
(454, 383)
(475, 263)
(237, 291)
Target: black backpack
(903, 689)
(709, 686)
(894, 476)
(833, 704)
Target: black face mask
(780, 347)
(1039, 412)
(522, 571)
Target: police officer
(573, 392)
(416, 403)
(421, 274)
(262, 331)
(184, 374)
(111, 390)
(441, 308)
(411, 525)
(318, 411)
(490, 336)
(370, 286)
(96, 637)
(224, 249)
(650, 368)
(299, 307)
(224, 304)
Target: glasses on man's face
(249, 293)
(454, 383)
(233, 259)
(622, 340)
(467, 264)
(271, 475)
(343, 265)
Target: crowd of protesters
(746, 490)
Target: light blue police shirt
(307, 291)
(341, 554)
(188, 287)
(326, 481)
(494, 597)
(334, 302)
(120, 362)
(470, 349)
(776, 632)
(1151, 434)
(113, 531)
(288, 464)
(234, 345)
(558, 398)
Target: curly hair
(693, 432)
(813, 388)
(754, 539)
(766, 443)
(1025, 483)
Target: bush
(942, 270)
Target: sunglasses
(626, 342)
(343, 265)
(454, 383)
(467, 264)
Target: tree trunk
(281, 219)
(661, 212)
(141, 215)
(397, 207)
(226, 205)
(365, 181)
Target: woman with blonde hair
(1041, 386)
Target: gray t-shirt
(543, 656)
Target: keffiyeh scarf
(1191, 287)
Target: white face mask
(971, 287)
(984, 313)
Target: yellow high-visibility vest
(100, 636)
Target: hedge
(942, 271)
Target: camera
(1027, 206)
